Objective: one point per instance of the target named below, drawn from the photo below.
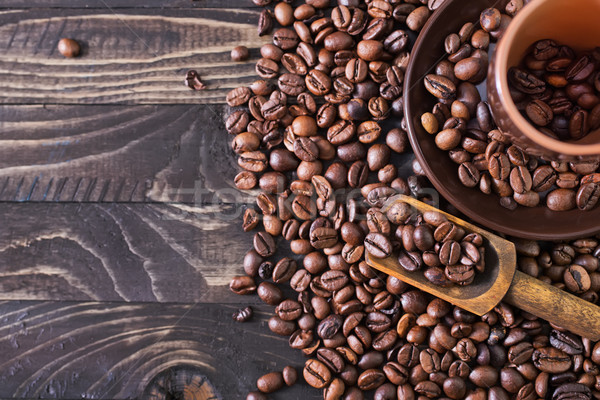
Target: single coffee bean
(271, 382)
(520, 180)
(316, 374)
(470, 69)
(371, 379)
(265, 23)
(69, 48)
(448, 139)
(468, 174)
(417, 18)
(264, 244)
(238, 96)
(285, 38)
(587, 196)
(323, 237)
(566, 341)
(256, 396)
(269, 293)
(525, 82)
(551, 360)
(579, 124)
(242, 285)
(245, 180)
(243, 314)
(378, 245)
(317, 82)
(440, 86)
(539, 112)
(499, 166)
(561, 200)
(284, 270)
(290, 375)
(289, 310)
(240, 53)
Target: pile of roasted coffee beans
(463, 126)
(310, 135)
(558, 90)
(428, 241)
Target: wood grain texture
(178, 153)
(112, 351)
(129, 56)
(120, 252)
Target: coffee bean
(545, 49)
(265, 23)
(332, 359)
(468, 174)
(499, 166)
(281, 327)
(264, 244)
(539, 112)
(240, 53)
(371, 379)
(440, 86)
(290, 375)
(285, 38)
(284, 270)
(289, 310)
(271, 382)
(578, 124)
(561, 200)
(192, 80)
(243, 314)
(316, 374)
(378, 245)
(525, 82)
(317, 82)
(551, 360)
(242, 285)
(417, 18)
(587, 196)
(448, 139)
(256, 396)
(470, 69)
(68, 47)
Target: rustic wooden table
(115, 253)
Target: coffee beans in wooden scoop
(429, 242)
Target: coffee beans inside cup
(558, 89)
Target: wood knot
(182, 382)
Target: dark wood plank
(120, 252)
(130, 56)
(112, 351)
(163, 153)
(116, 4)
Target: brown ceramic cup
(571, 22)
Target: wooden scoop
(500, 282)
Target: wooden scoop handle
(554, 305)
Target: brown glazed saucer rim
(537, 223)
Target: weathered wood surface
(109, 209)
(113, 350)
(178, 153)
(129, 56)
(120, 252)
